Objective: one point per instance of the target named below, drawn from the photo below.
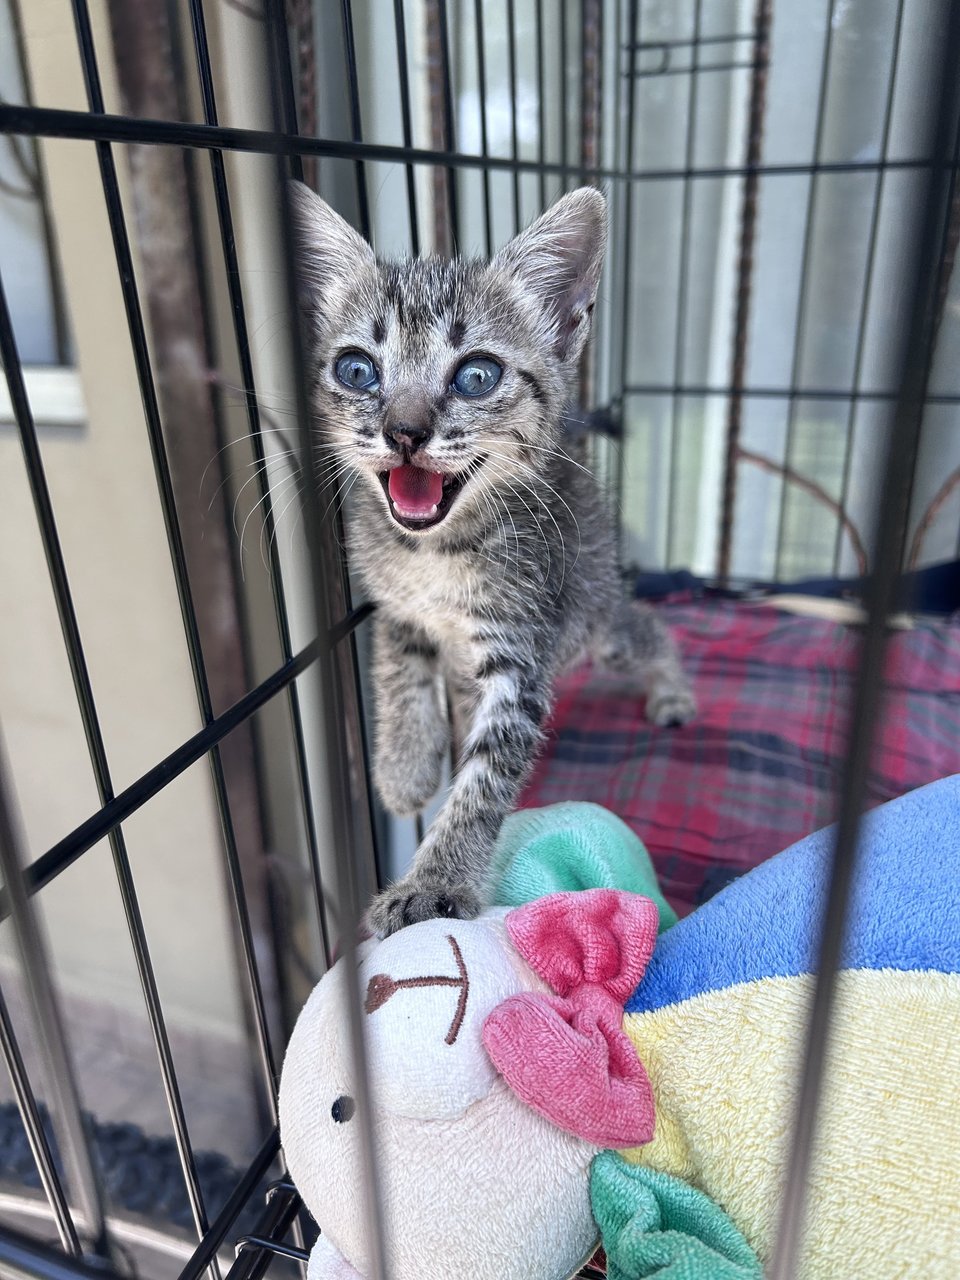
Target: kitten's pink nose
(406, 437)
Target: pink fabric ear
(567, 1056)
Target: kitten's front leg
(412, 731)
(452, 862)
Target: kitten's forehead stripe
(534, 384)
(420, 318)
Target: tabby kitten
(441, 386)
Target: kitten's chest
(438, 592)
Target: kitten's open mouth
(420, 499)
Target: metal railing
(87, 1247)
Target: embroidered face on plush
(465, 1168)
(716, 1014)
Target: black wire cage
(493, 110)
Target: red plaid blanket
(760, 767)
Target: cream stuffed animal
(475, 1183)
(508, 1051)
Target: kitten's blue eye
(477, 376)
(357, 371)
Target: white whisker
(270, 495)
(560, 498)
(268, 455)
(499, 466)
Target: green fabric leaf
(572, 846)
(652, 1224)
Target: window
(29, 257)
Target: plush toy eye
(357, 371)
(343, 1109)
(477, 376)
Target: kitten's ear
(332, 259)
(558, 259)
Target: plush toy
(514, 1056)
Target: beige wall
(105, 500)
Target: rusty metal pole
(748, 230)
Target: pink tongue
(415, 492)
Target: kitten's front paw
(410, 901)
(671, 706)
(407, 780)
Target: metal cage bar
(881, 596)
(484, 145)
(763, 15)
(57, 122)
(332, 652)
(356, 125)
(514, 137)
(400, 31)
(98, 757)
(801, 312)
(45, 1010)
(868, 282)
(138, 338)
(33, 1124)
(252, 405)
(626, 160)
(329, 591)
(541, 101)
(683, 281)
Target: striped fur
(520, 578)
